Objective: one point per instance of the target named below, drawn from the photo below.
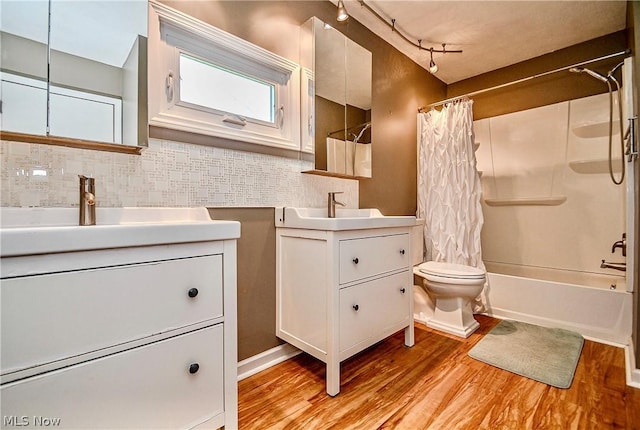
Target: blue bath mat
(548, 355)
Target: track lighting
(433, 67)
(342, 12)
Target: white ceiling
(492, 34)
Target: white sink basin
(28, 231)
(346, 219)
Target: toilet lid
(451, 270)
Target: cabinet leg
(333, 378)
(409, 339)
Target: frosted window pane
(207, 85)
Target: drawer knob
(402, 251)
(355, 260)
(402, 290)
(193, 292)
(193, 368)
(356, 307)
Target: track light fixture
(433, 67)
(342, 12)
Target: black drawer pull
(193, 368)
(192, 292)
(355, 260)
(402, 251)
(402, 290)
(356, 307)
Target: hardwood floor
(436, 385)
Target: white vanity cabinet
(120, 338)
(339, 292)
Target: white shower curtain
(449, 189)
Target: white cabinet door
(363, 258)
(51, 317)
(372, 311)
(151, 387)
(86, 116)
(24, 107)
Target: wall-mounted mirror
(74, 71)
(337, 113)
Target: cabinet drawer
(363, 258)
(51, 317)
(373, 310)
(146, 387)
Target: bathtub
(578, 301)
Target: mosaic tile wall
(166, 174)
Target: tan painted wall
(256, 278)
(543, 91)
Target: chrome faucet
(331, 204)
(622, 244)
(87, 201)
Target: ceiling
(491, 34)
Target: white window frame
(171, 33)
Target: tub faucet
(87, 201)
(622, 244)
(616, 266)
(331, 204)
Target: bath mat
(548, 355)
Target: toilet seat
(451, 270)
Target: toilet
(453, 287)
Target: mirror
(340, 109)
(74, 71)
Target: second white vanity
(343, 283)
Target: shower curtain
(449, 188)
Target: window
(207, 81)
(205, 84)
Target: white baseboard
(266, 359)
(633, 373)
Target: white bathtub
(579, 301)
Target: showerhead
(591, 73)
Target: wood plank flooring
(436, 385)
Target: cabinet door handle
(356, 307)
(402, 290)
(402, 251)
(192, 292)
(355, 260)
(193, 368)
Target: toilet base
(454, 330)
(453, 316)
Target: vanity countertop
(32, 231)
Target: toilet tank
(417, 242)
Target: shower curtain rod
(519, 81)
(349, 128)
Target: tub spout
(616, 266)
(622, 244)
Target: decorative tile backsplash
(166, 174)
